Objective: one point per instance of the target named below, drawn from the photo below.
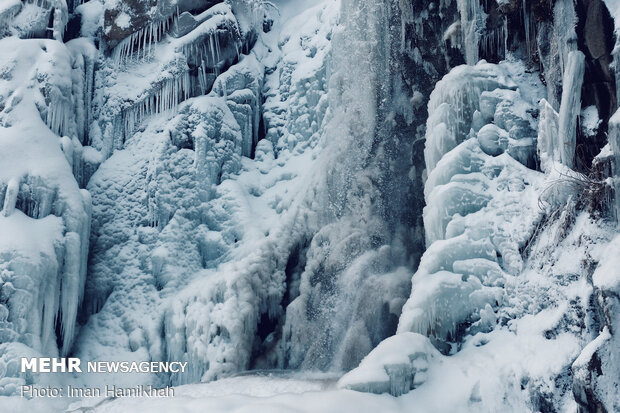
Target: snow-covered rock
(396, 366)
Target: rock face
(597, 43)
(122, 19)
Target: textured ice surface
(257, 198)
(477, 291)
(45, 219)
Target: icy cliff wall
(519, 200)
(45, 218)
(264, 188)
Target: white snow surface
(45, 220)
(235, 254)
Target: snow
(614, 147)
(397, 365)
(607, 274)
(123, 20)
(590, 120)
(243, 201)
(92, 13)
(46, 217)
(262, 393)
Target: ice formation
(490, 222)
(45, 220)
(569, 108)
(408, 196)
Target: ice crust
(45, 219)
(227, 184)
(497, 233)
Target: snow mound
(396, 366)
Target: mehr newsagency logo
(75, 365)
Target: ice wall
(159, 66)
(45, 220)
(352, 284)
(497, 230)
(570, 106)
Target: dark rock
(595, 31)
(595, 39)
(184, 24)
(144, 12)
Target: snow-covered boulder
(396, 366)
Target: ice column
(614, 142)
(570, 106)
(473, 23)
(60, 19)
(548, 138)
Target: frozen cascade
(562, 40)
(473, 23)
(86, 55)
(242, 87)
(296, 100)
(197, 325)
(352, 285)
(451, 110)
(570, 106)
(549, 142)
(257, 204)
(60, 114)
(466, 277)
(138, 46)
(61, 17)
(166, 98)
(43, 271)
(459, 187)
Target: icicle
(217, 49)
(570, 106)
(70, 286)
(10, 198)
(473, 22)
(212, 47)
(59, 115)
(548, 139)
(526, 26)
(166, 98)
(140, 43)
